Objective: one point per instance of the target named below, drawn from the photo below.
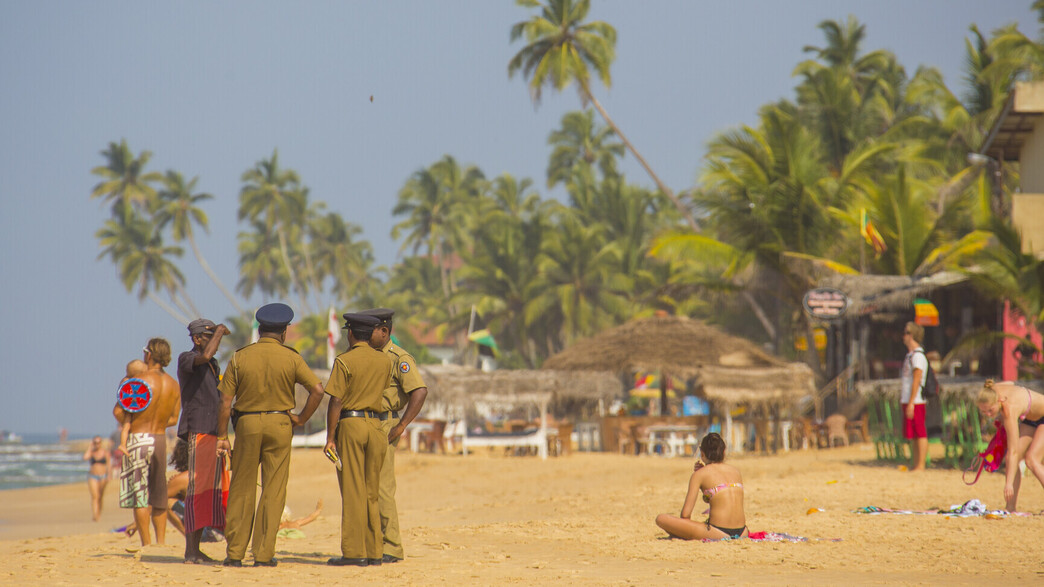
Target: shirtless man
(143, 482)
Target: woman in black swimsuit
(721, 486)
(97, 473)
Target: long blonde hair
(988, 394)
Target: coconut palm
(576, 286)
(177, 206)
(346, 260)
(562, 49)
(261, 266)
(125, 183)
(273, 196)
(579, 146)
(142, 262)
(436, 202)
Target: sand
(582, 519)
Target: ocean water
(39, 459)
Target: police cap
(382, 314)
(359, 321)
(275, 315)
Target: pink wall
(1017, 325)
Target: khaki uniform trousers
(389, 511)
(361, 445)
(260, 439)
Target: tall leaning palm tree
(125, 183)
(561, 49)
(178, 206)
(273, 196)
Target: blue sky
(213, 87)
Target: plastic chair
(836, 428)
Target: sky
(211, 88)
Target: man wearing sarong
(406, 391)
(200, 403)
(143, 481)
(261, 379)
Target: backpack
(931, 387)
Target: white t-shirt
(915, 359)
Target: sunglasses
(146, 349)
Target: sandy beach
(580, 519)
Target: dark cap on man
(274, 316)
(382, 314)
(360, 321)
(200, 326)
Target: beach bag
(931, 383)
(992, 457)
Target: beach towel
(207, 496)
(968, 509)
(775, 537)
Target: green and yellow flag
(484, 338)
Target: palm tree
(273, 196)
(260, 265)
(346, 260)
(178, 207)
(578, 146)
(576, 286)
(436, 202)
(142, 262)
(561, 49)
(125, 183)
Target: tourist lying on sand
(721, 486)
(1022, 414)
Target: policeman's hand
(224, 447)
(395, 432)
(331, 447)
(295, 420)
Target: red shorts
(914, 428)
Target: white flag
(333, 334)
(254, 336)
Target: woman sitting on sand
(1022, 415)
(722, 487)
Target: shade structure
(453, 384)
(725, 369)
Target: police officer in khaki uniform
(261, 378)
(353, 430)
(407, 390)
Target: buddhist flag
(333, 334)
(925, 313)
(869, 232)
(484, 338)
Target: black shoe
(388, 558)
(347, 562)
(373, 562)
(268, 563)
(232, 563)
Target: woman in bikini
(721, 486)
(97, 473)
(1022, 415)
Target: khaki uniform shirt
(405, 379)
(262, 375)
(359, 376)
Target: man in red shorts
(915, 368)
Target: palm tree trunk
(213, 276)
(293, 275)
(656, 179)
(180, 303)
(760, 313)
(311, 275)
(169, 310)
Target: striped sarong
(207, 494)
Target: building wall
(1027, 214)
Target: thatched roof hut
(453, 384)
(725, 369)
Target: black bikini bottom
(730, 532)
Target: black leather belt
(359, 414)
(285, 412)
(385, 415)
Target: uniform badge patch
(404, 367)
